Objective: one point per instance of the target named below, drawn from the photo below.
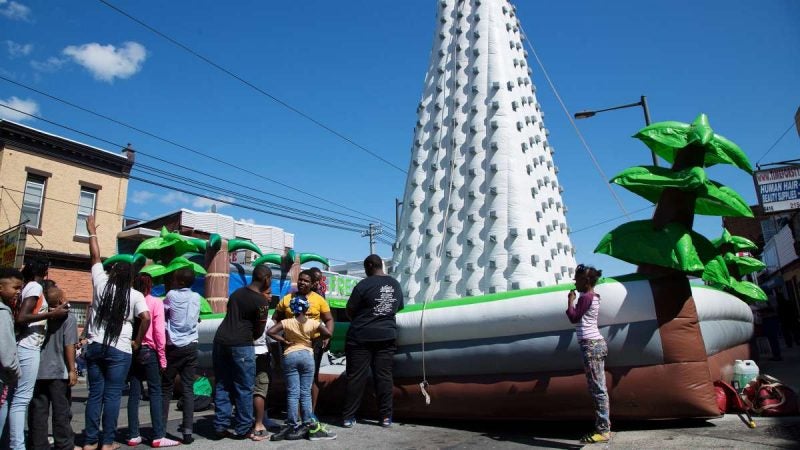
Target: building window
(32, 201)
(86, 205)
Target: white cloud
(51, 64)
(205, 203)
(140, 197)
(107, 62)
(175, 197)
(16, 50)
(27, 105)
(14, 11)
(250, 221)
(144, 215)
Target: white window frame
(80, 222)
(38, 180)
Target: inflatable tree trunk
(666, 249)
(678, 324)
(217, 277)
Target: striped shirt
(584, 316)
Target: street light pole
(642, 102)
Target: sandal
(596, 438)
(261, 434)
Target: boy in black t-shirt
(234, 357)
(371, 339)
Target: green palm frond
(673, 247)
(745, 264)
(243, 244)
(738, 243)
(156, 247)
(667, 138)
(713, 199)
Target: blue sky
(358, 67)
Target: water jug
(744, 371)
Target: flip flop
(596, 438)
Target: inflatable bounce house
(483, 245)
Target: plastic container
(744, 371)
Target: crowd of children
(133, 337)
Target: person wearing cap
(593, 347)
(296, 334)
(318, 309)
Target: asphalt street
(724, 432)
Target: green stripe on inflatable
(340, 303)
(514, 294)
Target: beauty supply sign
(778, 189)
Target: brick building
(51, 184)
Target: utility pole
(373, 231)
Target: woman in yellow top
(317, 309)
(295, 333)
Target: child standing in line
(10, 288)
(147, 365)
(182, 310)
(57, 375)
(263, 376)
(298, 369)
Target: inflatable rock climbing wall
(482, 209)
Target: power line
(252, 208)
(7, 189)
(575, 126)
(197, 152)
(628, 215)
(792, 125)
(236, 195)
(357, 226)
(252, 86)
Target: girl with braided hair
(111, 343)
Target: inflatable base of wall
(637, 393)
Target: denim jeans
(145, 367)
(235, 373)
(107, 371)
(298, 372)
(21, 395)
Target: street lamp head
(584, 114)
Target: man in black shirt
(234, 356)
(371, 339)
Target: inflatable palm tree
(290, 263)
(726, 270)
(168, 250)
(665, 248)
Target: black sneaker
(219, 435)
(320, 433)
(298, 433)
(187, 439)
(281, 435)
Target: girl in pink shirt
(593, 347)
(147, 364)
